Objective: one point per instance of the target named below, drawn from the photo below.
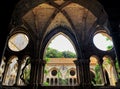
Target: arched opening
(107, 78)
(95, 71)
(24, 77)
(18, 42)
(117, 68)
(10, 72)
(103, 41)
(40, 17)
(109, 70)
(60, 56)
(2, 68)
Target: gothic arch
(64, 31)
(77, 29)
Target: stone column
(34, 74)
(84, 73)
(19, 61)
(41, 72)
(7, 63)
(79, 73)
(115, 72)
(102, 72)
(115, 34)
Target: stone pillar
(5, 71)
(79, 74)
(102, 72)
(19, 61)
(41, 72)
(115, 34)
(84, 73)
(115, 72)
(34, 74)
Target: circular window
(72, 72)
(103, 41)
(54, 72)
(18, 42)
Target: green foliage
(26, 74)
(46, 71)
(117, 67)
(68, 73)
(108, 60)
(47, 59)
(63, 81)
(53, 53)
(97, 76)
(97, 68)
(58, 74)
(68, 54)
(109, 47)
(46, 84)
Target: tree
(53, 53)
(117, 67)
(97, 76)
(68, 54)
(109, 47)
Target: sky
(61, 43)
(101, 42)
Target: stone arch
(24, 70)
(109, 66)
(10, 71)
(67, 34)
(95, 8)
(95, 67)
(29, 35)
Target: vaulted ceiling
(7, 6)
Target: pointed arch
(62, 68)
(67, 33)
